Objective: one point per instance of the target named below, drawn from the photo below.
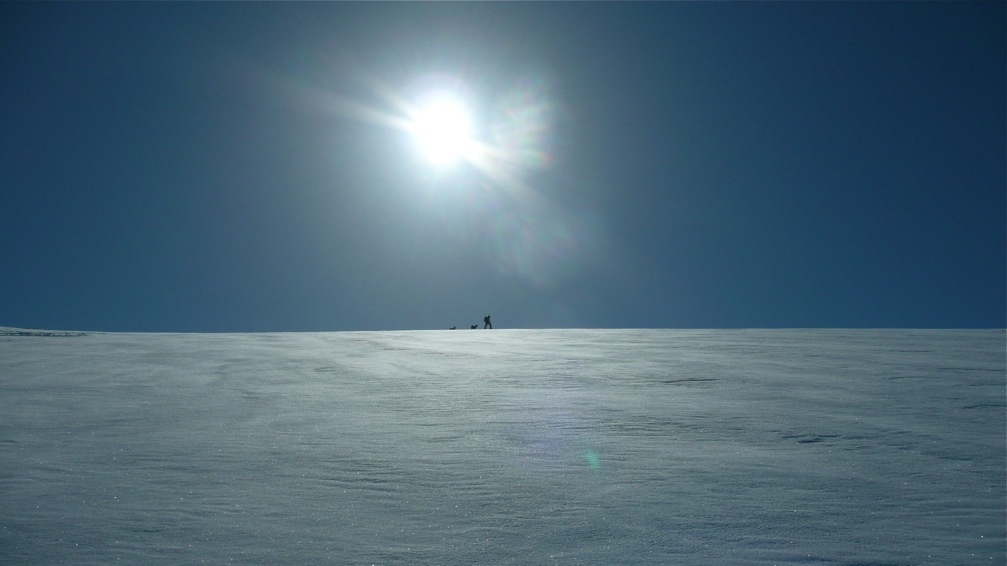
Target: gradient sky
(237, 167)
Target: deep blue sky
(194, 167)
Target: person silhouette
(488, 324)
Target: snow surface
(504, 447)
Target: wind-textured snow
(504, 447)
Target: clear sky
(256, 166)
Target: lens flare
(537, 244)
(524, 124)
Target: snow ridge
(7, 331)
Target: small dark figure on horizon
(474, 326)
(488, 324)
(452, 328)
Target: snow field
(505, 447)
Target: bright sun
(442, 129)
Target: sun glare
(442, 129)
(492, 146)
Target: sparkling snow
(504, 447)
